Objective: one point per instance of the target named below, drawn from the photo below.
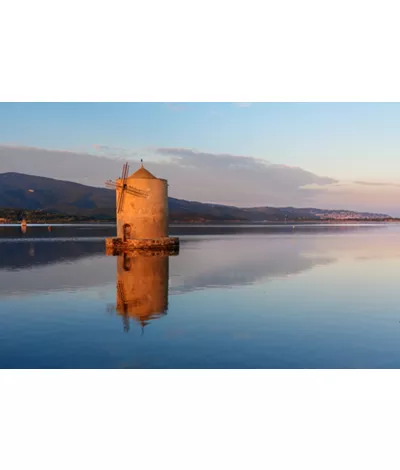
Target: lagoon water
(313, 296)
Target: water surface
(313, 296)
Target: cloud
(115, 152)
(71, 166)
(194, 175)
(380, 198)
(234, 179)
(370, 183)
(176, 106)
(32, 149)
(185, 155)
(221, 178)
(243, 105)
(101, 147)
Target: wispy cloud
(102, 148)
(176, 106)
(371, 183)
(234, 179)
(243, 105)
(33, 149)
(115, 152)
(199, 158)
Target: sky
(329, 155)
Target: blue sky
(341, 140)
(329, 155)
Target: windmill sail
(123, 177)
(123, 186)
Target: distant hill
(189, 210)
(30, 193)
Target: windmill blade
(112, 184)
(125, 175)
(125, 170)
(121, 199)
(121, 195)
(136, 192)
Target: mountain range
(27, 193)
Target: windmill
(121, 184)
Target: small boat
(23, 226)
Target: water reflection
(142, 287)
(233, 262)
(20, 255)
(31, 250)
(65, 259)
(264, 298)
(44, 266)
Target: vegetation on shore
(12, 216)
(45, 217)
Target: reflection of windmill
(121, 184)
(31, 250)
(122, 305)
(141, 289)
(125, 306)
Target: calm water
(235, 297)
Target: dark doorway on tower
(127, 232)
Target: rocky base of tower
(168, 245)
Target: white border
(205, 51)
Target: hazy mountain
(35, 192)
(27, 192)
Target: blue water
(235, 297)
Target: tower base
(166, 244)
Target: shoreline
(210, 223)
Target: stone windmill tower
(142, 212)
